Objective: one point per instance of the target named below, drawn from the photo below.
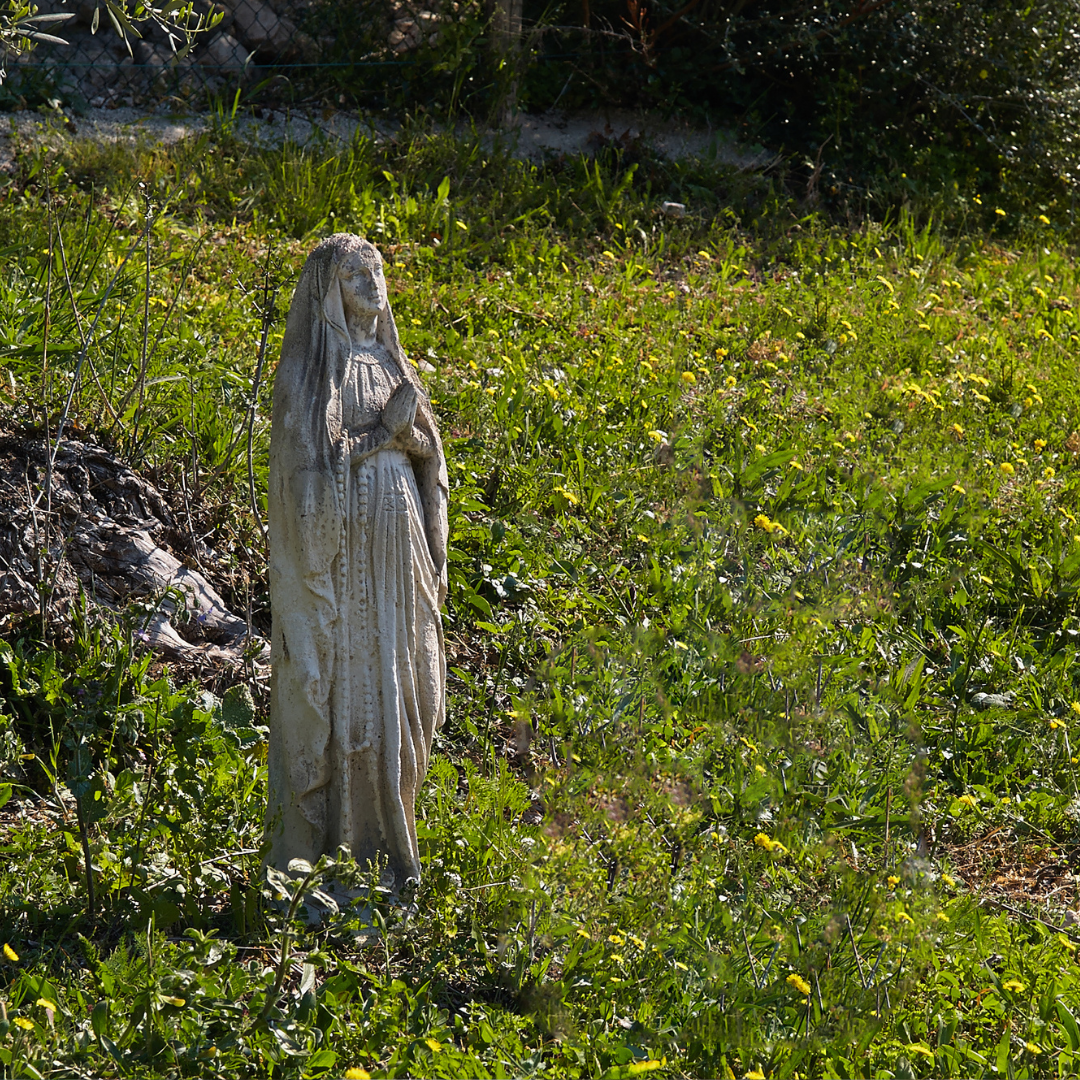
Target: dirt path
(533, 136)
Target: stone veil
(358, 530)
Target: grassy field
(748, 509)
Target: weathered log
(90, 522)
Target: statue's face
(363, 288)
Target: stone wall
(249, 37)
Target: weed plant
(762, 626)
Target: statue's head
(344, 276)
(360, 275)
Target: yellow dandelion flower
(10, 953)
(1014, 984)
(892, 881)
(1049, 473)
(754, 1074)
(1055, 724)
(730, 382)
(1007, 468)
(795, 465)
(583, 933)
(942, 917)
(765, 523)
(903, 916)
(959, 489)
(949, 880)
(1075, 707)
(356, 1073)
(957, 430)
(637, 941)
(759, 447)
(434, 1046)
(1044, 219)
(689, 378)
(45, 1003)
(999, 212)
(984, 74)
(1040, 444)
(968, 800)
(616, 939)
(1032, 1048)
(799, 983)
(26, 1025)
(763, 840)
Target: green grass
(746, 508)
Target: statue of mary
(358, 530)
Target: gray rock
(994, 701)
(225, 54)
(261, 29)
(154, 58)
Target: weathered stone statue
(358, 529)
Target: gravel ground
(533, 136)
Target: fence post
(505, 48)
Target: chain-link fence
(482, 57)
(372, 52)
